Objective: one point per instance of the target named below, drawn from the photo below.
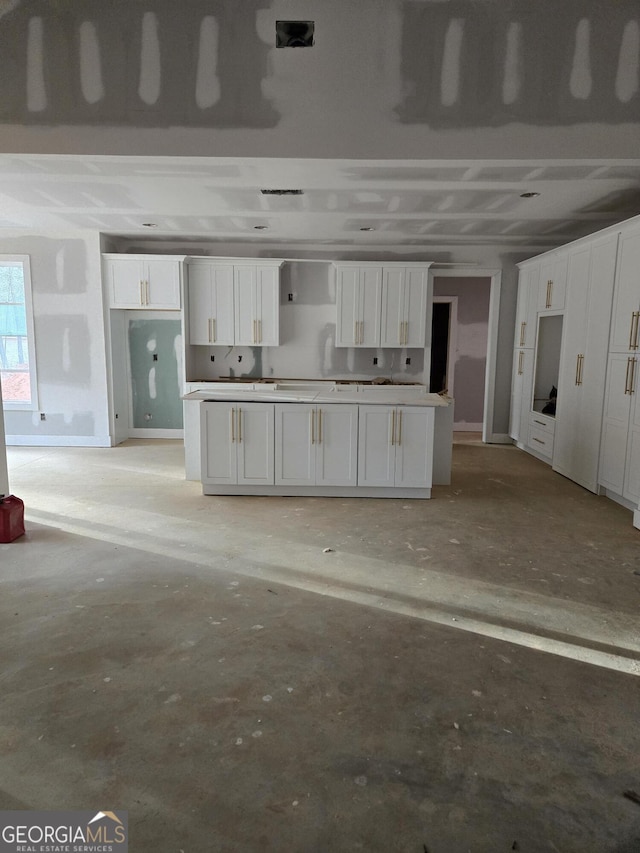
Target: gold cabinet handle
(213, 330)
(520, 360)
(581, 357)
(148, 292)
(399, 427)
(319, 426)
(313, 426)
(355, 332)
(635, 324)
(632, 383)
(542, 423)
(239, 426)
(401, 333)
(549, 294)
(232, 412)
(259, 331)
(142, 293)
(393, 426)
(523, 327)
(577, 370)
(627, 384)
(539, 440)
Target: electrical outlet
(290, 297)
(43, 417)
(155, 356)
(375, 360)
(213, 358)
(407, 361)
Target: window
(17, 351)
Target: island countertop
(320, 392)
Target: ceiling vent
(294, 33)
(281, 192)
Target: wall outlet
(43, 417)
(375, 360)
(213, 358)
(407, 361)
(290, 297)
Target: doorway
(444, 323)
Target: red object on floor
(11, 518)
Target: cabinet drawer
(541, 441)
(542, 423)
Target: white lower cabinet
(237, 443)
(395, 446)
(620, 451)
(316, 445)
(521, 394)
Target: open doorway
(460, 345)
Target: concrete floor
(460, 674)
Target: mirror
(545, 386)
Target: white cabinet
(552, 282)
(210, 303)
(381, 306)
(358, 299)
(591, 272)
(257, 305)
(404, 307)
(521, 394)
(233, 303)
(316, 445)
(620, 453)
(237, 443)
(395, 446)
(625, 321)
(141, 281)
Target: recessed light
(260, 227)
(368, 228)
(149, 224)
(529, 195)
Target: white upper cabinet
(527, 309)
(552, 283)
(210, 292)
(358, 298)
(404, 307)
(625, 321)
(135, 281)
(381, 306)
(233, 303)
(257, 305)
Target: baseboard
(500, 438)
(156, 433)
(58, 441)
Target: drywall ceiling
(400, 203)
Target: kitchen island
(317, 438)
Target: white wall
(69, 340)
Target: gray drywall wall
(471, 344)
(69, 338)
(384, 79)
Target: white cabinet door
(218, 449)
(347, 305)
(295, 445)
(625, 321)
(336, 438)
(370, 306)
(521, 390)
(632, 478)
(615, 426)
(404, 307)
(553, 282)
(376, 446)
(210, 289)
(125, 277)
(254, 444)
(414, 446)
(162, 284)
(268, 306)
(257, 305)
(528, 283)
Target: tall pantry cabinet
(620, 453)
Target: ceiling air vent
(294, 33)
(281, 192)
